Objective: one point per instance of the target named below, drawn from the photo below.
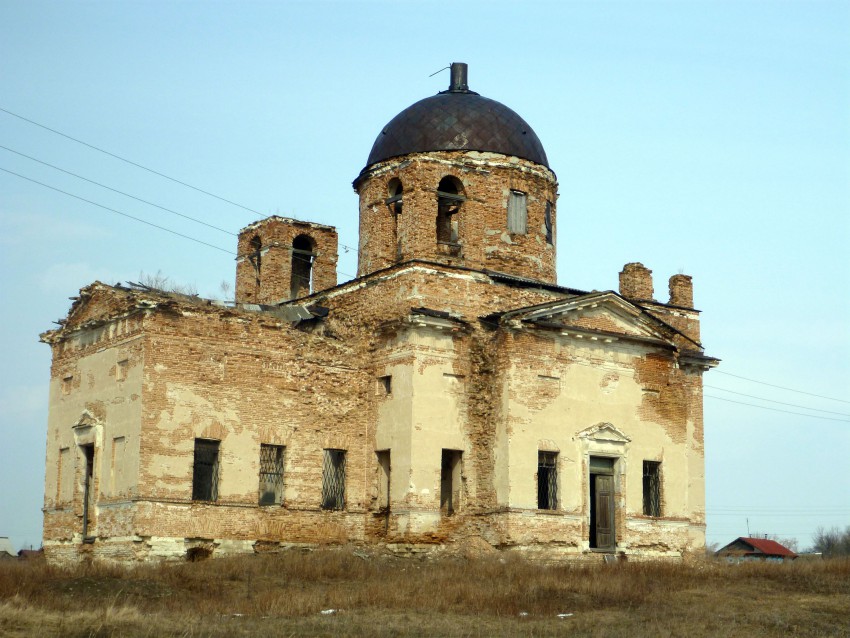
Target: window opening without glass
(450, 470)
(449, 201)
(205, 470)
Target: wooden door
(604, 506)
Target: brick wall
(265, 260)
(483, 240)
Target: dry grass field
(378, 595)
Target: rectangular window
(450, 476)
(121, 370)
(652, 488)
(333, 480)
(547, 220)
(271, 474)
(385, 385)
(67, 384)
(205, 470)
(517, 212)
(547, 480)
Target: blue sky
(711, 138)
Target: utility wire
(115, 190)
(132, 163)
(251, 210)
(150, 170)
(753, 405)
(118, 212)
(819, 396)
(793, 405)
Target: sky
(710, 138)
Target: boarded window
(271, 474)
(333, 480)
(652, 488)
(517, 212)
(547, 220)
(547, 480)
(205, 470)
(450, 476)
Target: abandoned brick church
(451, 395)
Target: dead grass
(506, 595)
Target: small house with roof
(744, 548)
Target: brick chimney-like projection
(636, 281)
(636, 285)
(280, 259)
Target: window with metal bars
(547, 480)
(205, 470)
(652, 488)
(271, 474)
(333, 480)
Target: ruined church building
(451, 395)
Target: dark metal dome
(458, 119)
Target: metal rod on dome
(458, 81)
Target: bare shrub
(164, 284)
(832, 543)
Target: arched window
(302, 266)
(255, 256)
(394, 203)
(449, 201)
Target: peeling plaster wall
(556, 388)
(497, 393)
(95, 399)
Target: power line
(115, 190)
(132, 163)
(118, 212)
(793, 405)
(753, 405)
(819, 396)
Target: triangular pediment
(604, 432)
(606, 313)
(86, 420)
